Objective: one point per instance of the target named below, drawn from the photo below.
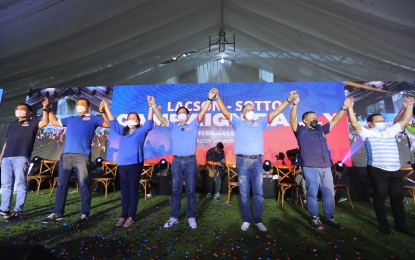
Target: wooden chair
(345, 187)
(109, 172)
(47, 167)
(286, 180)
(409, 188)
(55, 181)
(232, 180)
(146, 177)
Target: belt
(184, 157)
(250, 156)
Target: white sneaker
(192, 223)
(245, 226)
(260, 227)
(169, 223)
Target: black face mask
(314, 123)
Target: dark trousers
(387, 183)
(129, 183)
(214, 179)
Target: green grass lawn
(218, 235)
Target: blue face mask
(381, 126)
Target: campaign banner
(324, 98)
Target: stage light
(267, 166)
(163, 164)
(79, 91)
(222, 60)
(29, 92)
(108, 90)
(94, 92)
(36, 160)
(340, 166)
(55, 94)
(98, 161)
(39, 93)
(47, 94)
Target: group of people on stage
(383, 159)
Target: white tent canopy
(55, 43)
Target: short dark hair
(87, 101)
(220, 145)
(177, 111)
(370, 118)
(306, 114)
(29, 107)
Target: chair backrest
(109, 169)
(232, 174)
(409, 174)
(47, 167)
(286, 173)
(148, 171)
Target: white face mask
(131, 123)
(249, 116)
(381, 126)
(20, 113)
(80, 109)
(182, 117)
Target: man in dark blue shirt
(316, 162)
(80, 131)
(15, 157)
(215, 160)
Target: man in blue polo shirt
(183, 142)
(80, 131)
(316, 162)
(249, 148)
(15, 157)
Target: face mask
(380, 126)
(20, 113)
(181, 117)
(80, 109)
(131, 123)
(314, 123)
(250, 115)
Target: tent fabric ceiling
(56, 43)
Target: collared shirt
(313, 146)
(130, 149)
(80, 131)
(381, 147)
(20, 138)
(184, 137)
(249, 138)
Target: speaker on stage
(24, 252)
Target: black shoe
(385, 230)
(406, 231)
(4, 214)
(16, 215)
(315, 222)
(332, 222)
(52, 217)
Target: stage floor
(218, 234)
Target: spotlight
(267, 166)
(56, 93)
(47, 94)
(94, 92)
(36, 160)
(222, 60)
(29, 92)
(39, 93)
(98, 161)
(79, 91)
(340, 166)
(162, 164)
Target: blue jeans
(129, 180)
(187, 169)
(250, 175)
(14, 173)
(68, 162)
(319, 179)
